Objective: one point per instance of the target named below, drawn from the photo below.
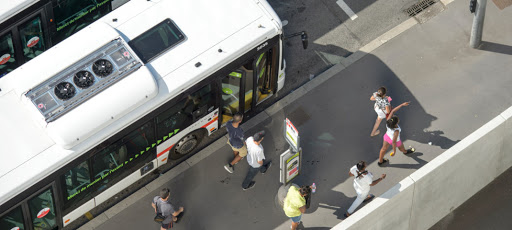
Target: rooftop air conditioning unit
(83, 79)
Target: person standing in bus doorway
(382, 107)
(362, 183)
(256, 159)
(295, 204)
(392, 136)
(162, 205)
(236, 141)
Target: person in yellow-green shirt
(295, 204)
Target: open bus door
(252, 83)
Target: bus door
(247, 86)
(37, 212)
(23, 41)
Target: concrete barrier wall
(389, 211)
(433, 191)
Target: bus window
(12, 220)
(73, 15)
(32, 39)
(42, 211)
(185, 112)
(120, 156)
(76, 181)
(156, 40)
(7, 59)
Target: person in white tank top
(391, 132)
(392, 136)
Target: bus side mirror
(303, 36)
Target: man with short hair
(162, 205)
(256, 159)
(236, 141)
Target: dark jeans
(252, 173)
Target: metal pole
(478, 24)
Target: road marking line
(347, 9)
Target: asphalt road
(333, 35)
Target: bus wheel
(186, 145)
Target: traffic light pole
(478, 24)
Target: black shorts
(167, 226)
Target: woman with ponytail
(362, 183)
(392, 136)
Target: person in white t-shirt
(255, 158)
(362, 183)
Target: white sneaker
(229, 168)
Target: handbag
(158, 217)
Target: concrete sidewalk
(453, 91)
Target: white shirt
(255, 153)
(391, 132)
(361, 184)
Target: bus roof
(12, 7)
(31, 148)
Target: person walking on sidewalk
(382, 107)
(236, 141)
(256, 159)
(162, 205)
(392, 136)
(362, 183)
(295, 203)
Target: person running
(162, 205)
(256, 159)
(382, 107)
(392, 136)
(236, 141)
(362, 183)
(295, 204)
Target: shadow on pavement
(334, 121)
(495, 47)
(414, 156)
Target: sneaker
(383, 162)
(410, 150)
(251, 185)
(268, 166)
(229, 168)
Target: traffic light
(472, 6)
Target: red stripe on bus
(209, 123)
(167, 149)
(204, 126)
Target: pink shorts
(390, 141)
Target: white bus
(133, 91)
(30, 27)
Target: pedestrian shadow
(415, 156)
(495, 47)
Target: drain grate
(418, 7)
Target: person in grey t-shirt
(162, 205)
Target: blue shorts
(296, 219)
